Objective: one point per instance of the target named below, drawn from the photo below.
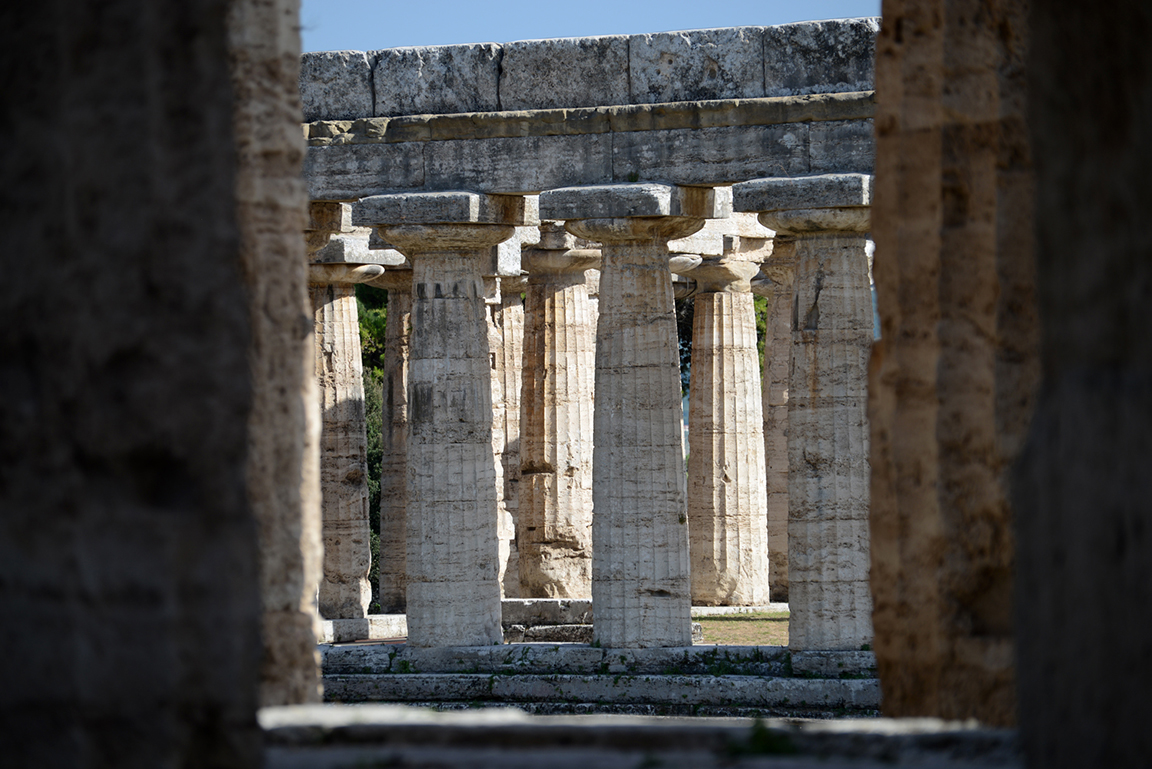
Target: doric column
(554, 531)
(640, 582)
(344, 589)
(776, 287)
(727, 508)
(453, 592)
(828, 473)
(394, 443)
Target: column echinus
(640, 572)
(828, 474)
(554, 529)
(334, 269)
(727, 503)
(453, 591)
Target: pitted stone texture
(629, 200)
(505, 525)
(820, 56)
(437, 79)
(819, 191)
(555, 525)
(453, 551)
(344, 591)
(336, 85)
(564, 72)
(697, 65)
(777, 369)
(443, 208)
(640, 569)
(727, 506)
(394, 448)
(828, 468)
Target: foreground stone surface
(342, 736)
(953, 376)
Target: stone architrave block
(697, 65)
(608, 201)
(347, 172)
(440, 208)
(822, 191)
(336, 85)
(519, 165)
(712, 155)
(820, 56)
(442, 79)
(567, 72)
(842, 146)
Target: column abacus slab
(640, 569)
(828, 474)
(727, 503)
(453, 591)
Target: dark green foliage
(684, 313)
(760, 303)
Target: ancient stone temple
(160, 477)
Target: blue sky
(331, 25)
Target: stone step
(686, 690)
(319, 736)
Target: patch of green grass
(750, 629)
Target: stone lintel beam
(444, 208)
(618, 201)
(337, 273)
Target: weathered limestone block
(453, 591)
(505, 527)
(394, 443)
(325, 219)
(727, 504)
(566, 72)
(954, 374)
(554, 531)
(344, 590)
(336, 85)
(437, 79)
(640, 572)
(697, 65)
(828, 543)
(779, 270)
(820, 56)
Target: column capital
(412, 239)
(541, 262)
(807, 205)
(634, 229)
(718, 273)
(342, 273)
(631, 212)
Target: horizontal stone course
(820, 191)
(725, 63)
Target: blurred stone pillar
(828, 469)
(640, 572)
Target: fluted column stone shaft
(727, 502)
(344, 589)
(510, 320)
(554, 531)
(777, 369)
(828, 476)
(453, 591)
(393, 564)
